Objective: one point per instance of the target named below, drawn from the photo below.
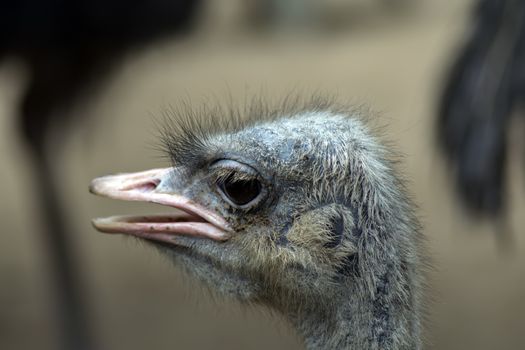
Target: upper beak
(194, 220)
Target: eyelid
(234, 165)
(224, 168)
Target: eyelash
(224, 174)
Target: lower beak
(148, 186)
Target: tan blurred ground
(394, 62)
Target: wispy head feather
(186, 129)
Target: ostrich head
(300, 212)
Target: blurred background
(396, 56)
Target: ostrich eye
(240, 191)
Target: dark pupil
(241, 191)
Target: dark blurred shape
(68, 46)
(318, 15)
(485, 85)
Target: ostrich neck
(358, 323)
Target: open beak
(192, 219)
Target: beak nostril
(146, 186)
(149, 186)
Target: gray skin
(330, 242)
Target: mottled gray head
(301, 213)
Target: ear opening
(337, 224)
(327, 234)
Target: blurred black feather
(484, 87)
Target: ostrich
(297, 209)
